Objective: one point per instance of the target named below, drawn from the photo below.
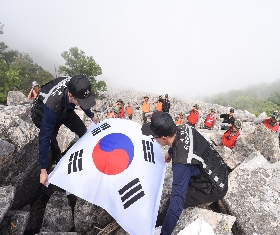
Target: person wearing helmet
(210, 119)
(166, 104)
(271, 122)
(228, 119)
(193, 116)
(34, 91)
(231, 136)
(180, 119)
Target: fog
(183, 48)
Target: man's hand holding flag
(117, 168)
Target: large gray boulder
(266, 142)
(90, 218)
(16, 98)
(58, 214)
(253, 196)
(220, 223)
(19, 164)
(14, 222)
(7, 194)
(240, 151)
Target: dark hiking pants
(183, 196)
(75, 124)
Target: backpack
(37, 112)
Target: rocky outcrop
(266, 142)
(220, 223)
(58, 214)
(19, 161)
(253, 196)
(16, 98)
(14, 222)
(90, 218)
(7, 194)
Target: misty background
(183, 48)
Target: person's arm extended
(45, 134)
(90, 115)
(225, 125)
(30, 94)
(259, 121)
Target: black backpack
(37, 112)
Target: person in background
(34, 91)
(109, 111)
(228, 118)
(159, 104)
(271, 122)
(230, 137)
(121, 105)
(210, 119)
(193, 116)
(166, 104)
(180, 119)
(129, 111)
(117, 111)
(145, 108)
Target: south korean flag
(117, 168)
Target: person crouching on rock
(193, 115)
(195, 181)
(231, 136)
(210, 119)
(271, 122)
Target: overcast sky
(183, 48)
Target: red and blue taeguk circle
(113, 153)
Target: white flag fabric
(117, 168)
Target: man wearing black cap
(58, 99)
(228, 118)
(166, 104)
(199, 174)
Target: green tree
(76, 62)
(9, 80)
(29, 71)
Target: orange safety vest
(193, 117)
(110, 114)
(209, 121)
(273, 128)
(179, 121)
(159, 106)
(145, 107)
(229, 141)
(128, 111)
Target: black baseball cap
(79, 86)
(160, 125)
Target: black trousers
(194, 198)
(144, 118)
(74, 123)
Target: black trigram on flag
(131, 192)
(148, 151)
(75, 162)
